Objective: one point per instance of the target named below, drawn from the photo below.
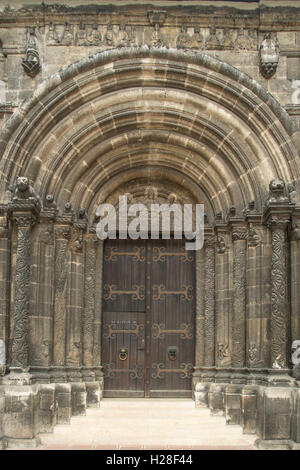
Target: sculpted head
(22, 183)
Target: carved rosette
(239, 238)
(279, 293)
(209, 302)
(24, 223)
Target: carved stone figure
(253, 237)
(226, 41)
(197, 39)
(109, 35)
(122, 38)
(242, 41)
(157, 40)
(67, 37)
(277, 191)
(81, 35)
(269, 56)
(31, 63)
(183, 40)
(23, 191)
(52, 37)
(292, 194)
(94, 37)
(213, 41)
(221, 245)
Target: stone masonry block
(201, 395)
(78, 392)
(63, 403)
(249, 408)
(92, 394)
(216, 398)
(20, 417)
(47, 407)
(232, 399)
(275, 413)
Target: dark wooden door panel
(124, 318)
(123, 331)
(172, 309)
(148, 310)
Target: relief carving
(221, 245)
(223, 354)
(24, 192)
(31, 63)
(239, 298)
(67, 38)
(278, 296)
(277, 191)
(253, 237)
(157, 40)
(21, 300)
(269, 55)
(209, 302)
(52, 37)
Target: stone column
(209, 302)
(89, 301)
(223, 335)
(239, 236)
(19, 359)
(295, 269)
(4, 277)
(62, 235)
(98, 311)
(199, 323)
(279, 292)
(74, 310)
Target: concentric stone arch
(122, 111)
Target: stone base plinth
(63, 403)
(78, 393)
(216, 398)
(93, 393)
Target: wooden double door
(148, 318)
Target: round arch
(132, 110)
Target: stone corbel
(31, 63)
(268, 55)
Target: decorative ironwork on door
(148, 318)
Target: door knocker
(172, 353)
(123, 354)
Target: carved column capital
(239, 234)
(24, 220)
(62, 232)
(210, 242)
(280, 222)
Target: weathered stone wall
(68, 32)
(113, 115)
